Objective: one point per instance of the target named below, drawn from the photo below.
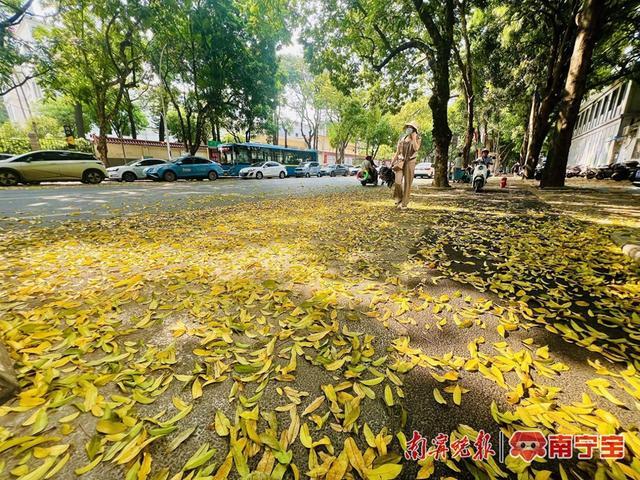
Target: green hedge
(18, 145)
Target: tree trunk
(538, 132)
(466, 70)
(441, 134)
(79, 120)
(589, 22)
(276, 126)
(102, 144)
(557, 70)
(132, 120)
(466, 150)
(523, 149)
(161, 132)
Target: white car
(132, 171)
(354, 170)
(264, 169)
(424, 170)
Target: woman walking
(404, 164)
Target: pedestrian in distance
(404, 164)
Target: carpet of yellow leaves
(274, 339)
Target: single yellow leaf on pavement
(457, 395)
(438, 396)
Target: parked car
(186, 167)
(4, 156)
(133, 171)
(423, 170)
(308, 169)
(334, 170)
(354, 170)
(264, 169)
(51, 166)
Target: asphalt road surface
(48, 203)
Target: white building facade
(22, 101)
(607, 128)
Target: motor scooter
(624, 171)
(479, 176)
(604, 171)
(574, 171)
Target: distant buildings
(22, 101)
(608, 127)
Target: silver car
(132, 171)
(308, 169)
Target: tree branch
(25, 79)
(420, 45)
(16, 17)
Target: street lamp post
(164, 112)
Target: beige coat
(407, 150)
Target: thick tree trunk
(589, 22)
(557, 70)
(438, 103)
(538, 132)
(441, 137)
(101, 147)
(441, 33)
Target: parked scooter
(479, 176)
(604, 171)
(574, 171)
(624, 171)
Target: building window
(623, 90)
(612, 98)
(601, 106)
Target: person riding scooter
(368, 173)
(485, 158)
(479, 175)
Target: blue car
(185, 167)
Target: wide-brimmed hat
(485, 150)
(412, 125)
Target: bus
(235, 156)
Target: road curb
(629, 244)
